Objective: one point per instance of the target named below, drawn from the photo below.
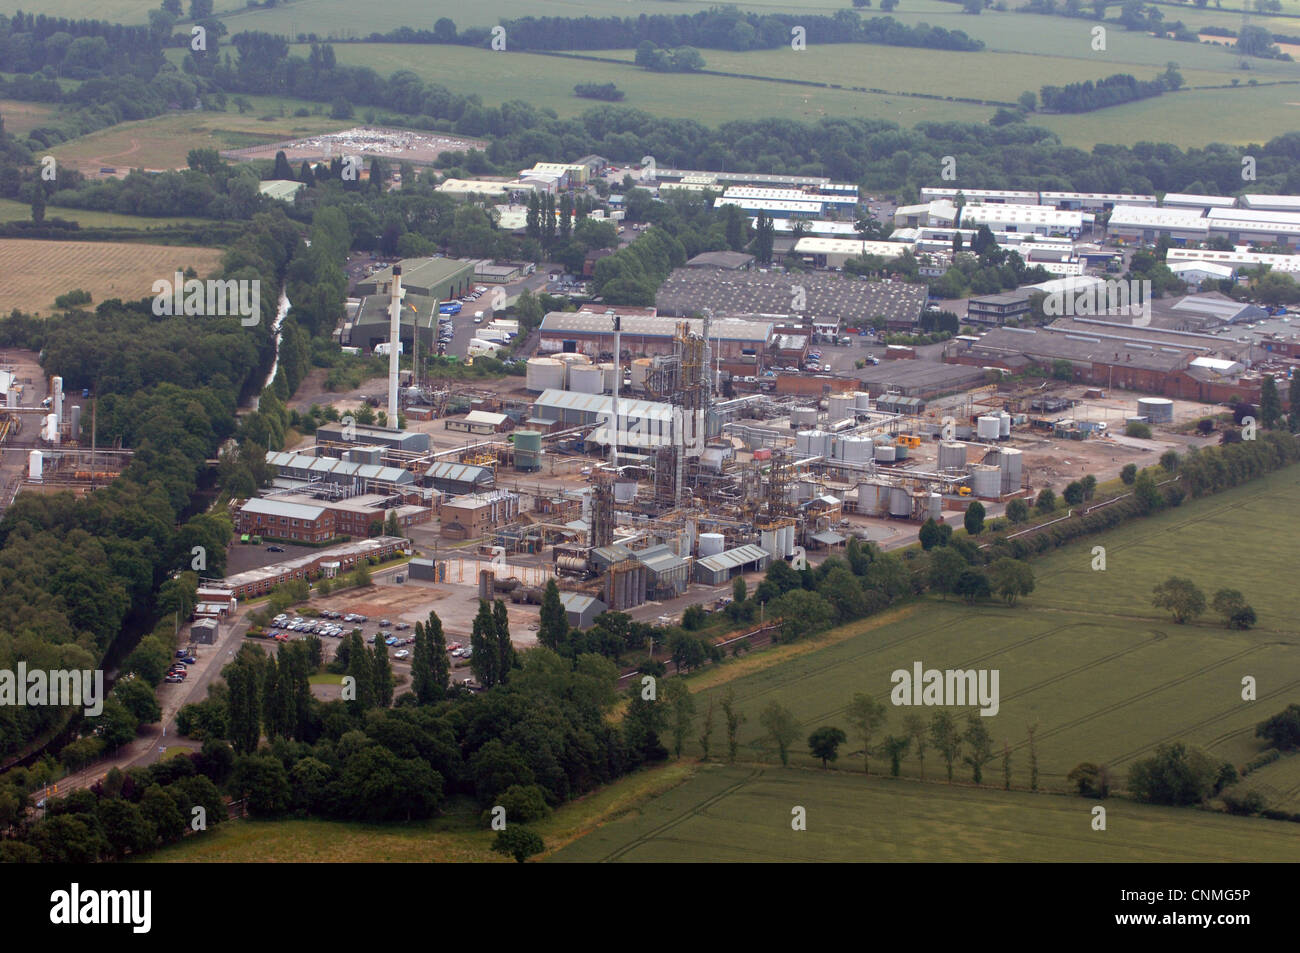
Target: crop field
(34, 273)
(165, 141)
(743, 813)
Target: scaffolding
(602, 509)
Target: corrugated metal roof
(485, 417)
(553, 399)
(660, 559)
(297, 511)
(456, 471)
(829, 538)
(579, 602)
(732, 558)
(329, 465)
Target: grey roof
(461, 472)
(721, 259)
(1046, 344)
(660, 559)
(732, 558)
(297, 511)
(322, 466)
(579, 602)
(601, 404)
(614, 553)
(829, 538)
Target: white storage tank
(854, 449)
(813, 443)
(75, 429)
(640, 371)
(769, 540)
(57, 405)
(861, 401)
(952, 456)
(1011, 462)
(624, 491)
(885, 453)
(987, 427)
(52, 429)
(986, 481)
(1158, 410)
(544, 373)
(608, 372)
(803, 417)
(839, 406)
(936, 506)
(711, 544)
(900, 502)
(35, 463)
(787, 540)
(1004, 424)
(586, 379)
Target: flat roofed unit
(1027, 198)
(601, 404)
(810, 208)
(814, 227)
(1022, 215)
(1116, 197)
(1280, 203)
(848, 246)
(322, 466)
(1287, 263)
(297, 511)
(1186, 199)
(1262, 216)
(1133, 216)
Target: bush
(1138, 429)
(1244, 802)
(1129, 474)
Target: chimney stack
(395, 342)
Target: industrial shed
(716, 570)
(458, 478)
(205, 632)
(479, 422)
(581, 610)
(667, 572)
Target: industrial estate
(558, 502)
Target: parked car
(391, 640)
(174, 678)
(457, 653)
(275, 549)
(384, 623)
(401, 653)
(402, 626)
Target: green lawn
(743, 813)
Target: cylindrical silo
(544, 373)
(987, 427)
(1011, 462)
(885, 453)
(936, 506)
(57, 405)
(802, 441)
(640, 371)
(900, 502)
(586, 379)
(861, 401)
(608, 371)
(1158, 410)
(34, 466)
(839, 406)
(952, 456)
(1004, 424)
(769, 540)
(624, 491)
(854, 449)
(871, 498)
(76, 422)
(787, 540)
(711, 544)
(803, 416)
(52, 429)
(528, 450)
(986, 481)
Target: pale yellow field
(21, 118)
(34, 273)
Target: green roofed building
(426, 282)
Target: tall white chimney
(58, 398)
(395, 341)
(618, 378)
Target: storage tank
(52, 429)
(872, 498)
(711, 544)
(608, 371)
(544, 373)
(900, 451)
(624, 491)
(861, 401)
(1158, 410)
(854, 449)
(586, 379)
(952, 456)
(1004, 425)
(640, 371)
(769, 540)
(57, 405)
(987, 427)
(900, 502)
(528, 450)
(885, 453)
(936, 506)
(787, 540)
(803, 417)
(76, 422)
(34, 466)
(986, 481)
(1011, 462)
(813, 443)
(839, 406)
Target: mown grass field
(11, 210)
(34, 273)
(1104, 674)
(21, 118)
(743, 814)
(165, 141)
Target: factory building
(1236, 260)
(581, 609)
(786, 208)
(815, 183)
(345, 556)
(426, 282)
(1093, 201)
(642, 424)
(834, 252)
(734, 341)
(1270, 203)
(331, 438)
(991, 196)
(476, 514)
(1035, 219)
(1200, 203)
(717, 570)
(303, 471)
(1259, 226)
(458, 478)
(1140, 224)
(998, 309)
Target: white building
(1203, 203)
(1095, 201)
(1271, 203)
(1135, 223)
(1038, 219)
(1237, 260)
(980, 195)
(1195, 272)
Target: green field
(12, 210)
(1104, 674)
(743, 814)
